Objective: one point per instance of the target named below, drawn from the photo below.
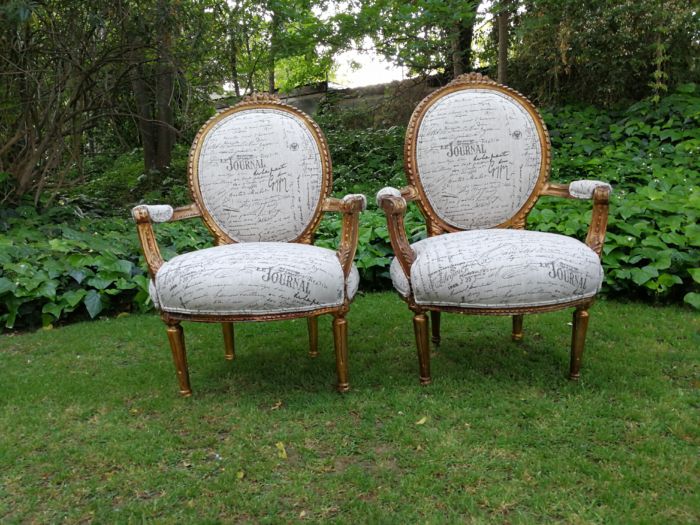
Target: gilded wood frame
(395, 207)
(350, 207)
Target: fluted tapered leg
(228, 341)
(420, 328)
(578, 340)
(312, 323)
(517, 334)
(435, 326)
(177, 345)
(340, 338)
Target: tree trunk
(462, 36)
(503, 20)
(234, 64)
(145, 116)
(274, 33)
(164, 89)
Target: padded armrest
(387, 191)
(355, 197)
(583, 189)
(156, 212)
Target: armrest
(588, 189)
(585, 189)
(350, 206)
(578, 189)
(166, 213)
(145, 215)
(393, 202)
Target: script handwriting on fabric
(260, 175)
(478, 147)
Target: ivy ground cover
(81, 258)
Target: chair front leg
(312, 324)
(177, 346)
(435, 326)
(229, 346)
(420, 328)
(340, 339)
(517, 334)
(578, 340)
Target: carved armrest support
(147, 237)
(599, 219)
(409, 193)
(145, 215)
(393, 202)
(350, 206)
(588, 189)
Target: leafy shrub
(366, 159)
(57, 266)
(115, 184)
(374, 253)
(649, 153)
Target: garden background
(99, 102)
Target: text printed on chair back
(478, 153)
(259, 172)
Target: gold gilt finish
(395, 208)
(350, 209)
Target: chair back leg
(229, 346)
(177, 346)
(578, 340)
(435, 326)
(517, 334)
(312, 324)
(420, 328)
(340, 339)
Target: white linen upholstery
(353, 196)
(583, 189)
(387, 191)
(253, 279)
(152, 293)
(260, 175)
(500, 269)
(157, 212)
(478, 157)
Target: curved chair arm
(145, 215)
(393, 202)
(350, 206)
(588, 189)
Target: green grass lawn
(93, 428)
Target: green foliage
(57, 266)
(419, 35)
(115, 184)
(366, 159)
(649, 153)
(604, 52)
(374, 253)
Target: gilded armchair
(477, 158)
(260, 178)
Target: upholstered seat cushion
(500, 268)
(253, 278)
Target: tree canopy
(89, 76)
